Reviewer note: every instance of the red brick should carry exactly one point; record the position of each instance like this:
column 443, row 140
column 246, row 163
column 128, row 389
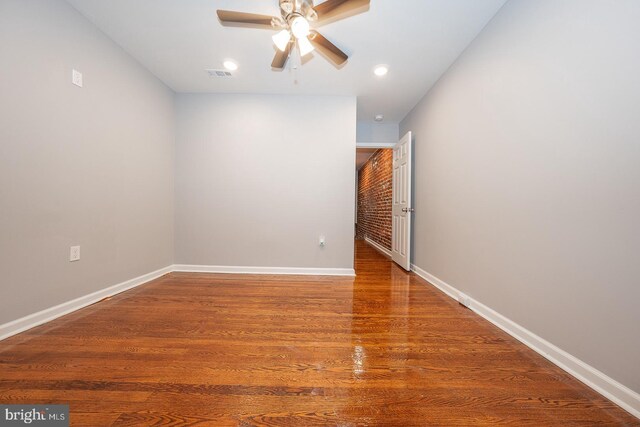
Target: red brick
column 374, row 198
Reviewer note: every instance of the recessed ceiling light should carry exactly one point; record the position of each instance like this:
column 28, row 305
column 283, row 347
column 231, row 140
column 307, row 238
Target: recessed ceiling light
column 381, row 70
column 230, row 65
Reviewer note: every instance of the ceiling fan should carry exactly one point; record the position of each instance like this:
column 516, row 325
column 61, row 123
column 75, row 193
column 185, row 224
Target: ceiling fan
column 295, row 25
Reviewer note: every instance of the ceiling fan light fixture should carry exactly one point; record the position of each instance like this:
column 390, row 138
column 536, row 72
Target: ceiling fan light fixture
column 281, row 40
column 300, row 27
column 293, row 27
column 287, row 6
column 305, row 46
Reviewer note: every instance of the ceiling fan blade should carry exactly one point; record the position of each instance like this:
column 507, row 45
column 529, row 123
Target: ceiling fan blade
column 335, row 8
column 281, row 58
column 327, row 48
column 247, row 19
column 307, row 10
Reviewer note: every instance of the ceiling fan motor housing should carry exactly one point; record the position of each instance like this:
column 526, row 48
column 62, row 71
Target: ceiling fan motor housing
column 302, row 7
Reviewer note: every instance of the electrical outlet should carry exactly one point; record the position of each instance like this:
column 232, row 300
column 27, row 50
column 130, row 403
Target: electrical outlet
column 76, row 78
column 74, row 253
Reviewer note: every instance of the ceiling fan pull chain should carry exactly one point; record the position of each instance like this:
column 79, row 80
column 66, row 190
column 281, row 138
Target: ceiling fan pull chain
column 296, row 62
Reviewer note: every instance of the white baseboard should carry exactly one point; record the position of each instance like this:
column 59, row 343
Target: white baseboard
column 608, row 387
column 48, row 314
column 264, row 270
column 379, row 247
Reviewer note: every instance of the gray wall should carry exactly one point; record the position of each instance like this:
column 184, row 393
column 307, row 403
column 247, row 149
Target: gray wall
column 259, row 178
column 528, row 176
column 370, row 131
column 90, row 167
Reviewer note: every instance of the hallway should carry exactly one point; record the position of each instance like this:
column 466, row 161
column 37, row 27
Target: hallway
column 384, row 348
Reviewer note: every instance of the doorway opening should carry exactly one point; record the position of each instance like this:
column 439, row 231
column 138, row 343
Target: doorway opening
column 374, row 194
column 384, row 211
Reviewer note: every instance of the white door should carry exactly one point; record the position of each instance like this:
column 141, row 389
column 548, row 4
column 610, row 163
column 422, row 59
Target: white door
column 401, row 225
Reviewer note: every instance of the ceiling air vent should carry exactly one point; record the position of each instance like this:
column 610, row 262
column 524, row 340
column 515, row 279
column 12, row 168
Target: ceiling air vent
column 220, row 73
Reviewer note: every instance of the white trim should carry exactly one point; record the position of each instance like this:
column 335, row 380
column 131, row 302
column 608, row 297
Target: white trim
column 379, row 247
column 608, row 387
column 264, row 270
column 48, row 314
column 375, row 144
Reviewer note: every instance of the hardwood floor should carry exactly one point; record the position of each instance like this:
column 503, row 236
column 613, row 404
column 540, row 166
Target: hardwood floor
column 241, row 350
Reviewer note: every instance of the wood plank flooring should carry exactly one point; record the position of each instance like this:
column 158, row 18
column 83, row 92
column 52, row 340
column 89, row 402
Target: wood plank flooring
column 383, row 349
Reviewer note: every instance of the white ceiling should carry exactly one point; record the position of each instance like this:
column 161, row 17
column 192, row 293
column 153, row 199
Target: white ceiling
column 178, row 39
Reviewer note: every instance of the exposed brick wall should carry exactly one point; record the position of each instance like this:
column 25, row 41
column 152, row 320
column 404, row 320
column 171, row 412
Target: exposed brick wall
column 374, row 198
